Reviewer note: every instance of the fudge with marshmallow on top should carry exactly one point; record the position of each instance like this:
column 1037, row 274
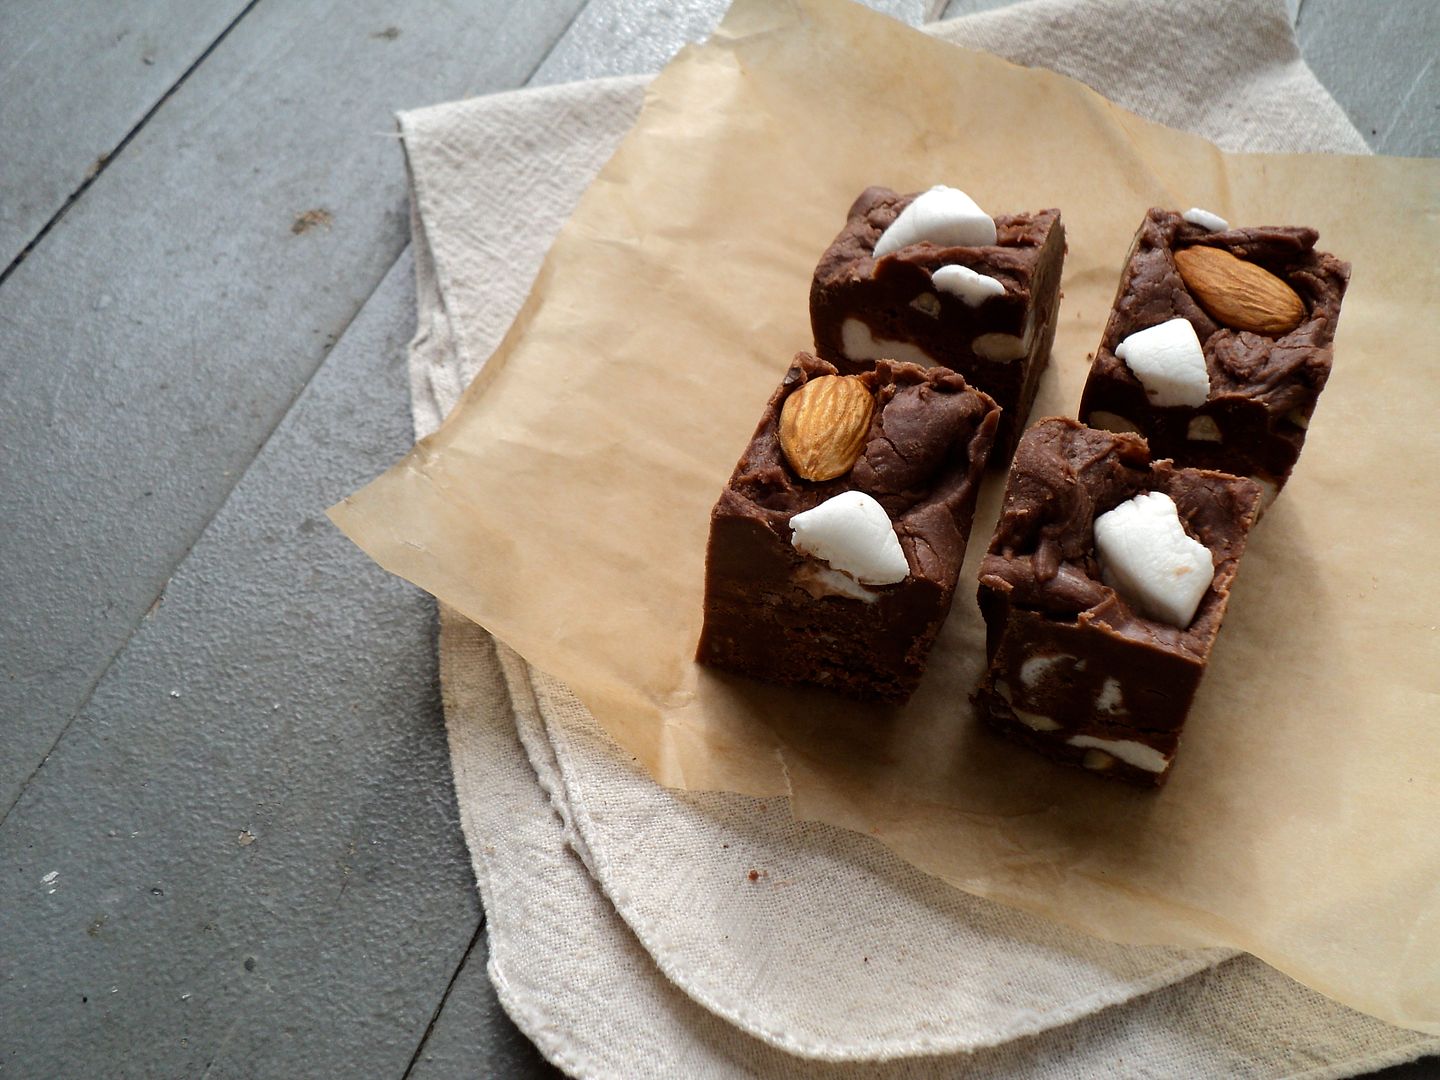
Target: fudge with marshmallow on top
column 1103, row 591
column 836, row 545
column 1219, row 344
column 931, row 279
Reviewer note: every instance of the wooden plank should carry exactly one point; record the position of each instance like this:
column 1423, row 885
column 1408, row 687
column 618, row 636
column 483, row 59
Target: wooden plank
column 157, row 334
column 472, row 1036
column 1379, row 61
column 245, row 858
column 75, row 79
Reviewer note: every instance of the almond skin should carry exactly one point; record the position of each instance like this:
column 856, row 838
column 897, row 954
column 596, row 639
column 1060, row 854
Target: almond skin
column 823, row 426
column 1239, row 294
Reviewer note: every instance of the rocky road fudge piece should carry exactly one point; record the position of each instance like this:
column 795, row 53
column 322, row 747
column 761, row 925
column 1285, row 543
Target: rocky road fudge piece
column 932, row 279
column 1219, row 344
column 836, row 544
column 1102, row 592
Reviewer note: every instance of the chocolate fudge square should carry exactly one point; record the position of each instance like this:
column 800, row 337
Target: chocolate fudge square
column 1263, row 304
column 996, row 332
column 1081, row 671
column 850, row 596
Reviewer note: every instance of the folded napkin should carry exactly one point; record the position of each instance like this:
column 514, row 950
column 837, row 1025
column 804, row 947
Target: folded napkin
column 636, row 931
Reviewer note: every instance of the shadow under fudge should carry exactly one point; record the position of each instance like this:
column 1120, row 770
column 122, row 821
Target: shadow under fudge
column 1263, row 388
column 774, row 614
column 863, row 308
column 1075, row 672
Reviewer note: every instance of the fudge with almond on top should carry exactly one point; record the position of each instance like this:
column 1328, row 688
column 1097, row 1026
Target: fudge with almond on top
column 1219, row 343
column 837, row 542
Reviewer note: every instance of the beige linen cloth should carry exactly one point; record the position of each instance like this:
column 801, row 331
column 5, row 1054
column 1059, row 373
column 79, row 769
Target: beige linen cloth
column 635, row 931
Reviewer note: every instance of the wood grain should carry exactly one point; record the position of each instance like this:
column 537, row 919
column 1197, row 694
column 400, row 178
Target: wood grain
column 159, row 332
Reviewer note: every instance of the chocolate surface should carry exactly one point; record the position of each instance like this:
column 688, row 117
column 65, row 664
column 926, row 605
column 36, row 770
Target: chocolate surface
column 1263, row 389
column 1068, row 656
column 775, row 614
column 897, row 303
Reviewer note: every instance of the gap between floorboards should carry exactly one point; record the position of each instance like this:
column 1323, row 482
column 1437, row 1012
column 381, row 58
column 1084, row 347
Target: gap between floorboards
column 105, row 159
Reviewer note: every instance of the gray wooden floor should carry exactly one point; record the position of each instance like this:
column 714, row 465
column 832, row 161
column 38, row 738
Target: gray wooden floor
column 228, row 841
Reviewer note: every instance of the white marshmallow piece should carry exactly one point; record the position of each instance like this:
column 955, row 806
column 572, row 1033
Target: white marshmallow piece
column 965, row 283
column 1169, row 362
column 1034, row 720
column 858, row 343
column 1110, row 699
column 1034, row 668
column 1149, row 559
column 823, row 581
column 1127, row 750
column 1001, row 347
column 943, row 215
column 852, row 532
column 1205, row 219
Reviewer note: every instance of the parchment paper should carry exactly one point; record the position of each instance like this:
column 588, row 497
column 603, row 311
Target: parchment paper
column 565, row 505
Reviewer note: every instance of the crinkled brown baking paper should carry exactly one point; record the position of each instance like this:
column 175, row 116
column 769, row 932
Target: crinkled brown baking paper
column 565, row 505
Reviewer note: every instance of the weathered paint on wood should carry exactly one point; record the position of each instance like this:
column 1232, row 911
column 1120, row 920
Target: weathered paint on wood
column 1379, row 60
column 244, row 858
column 157, row 334
column 75, row 79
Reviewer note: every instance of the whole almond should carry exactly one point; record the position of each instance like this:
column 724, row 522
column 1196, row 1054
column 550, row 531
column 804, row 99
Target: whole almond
column 823, row 426
column 1239, row 294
